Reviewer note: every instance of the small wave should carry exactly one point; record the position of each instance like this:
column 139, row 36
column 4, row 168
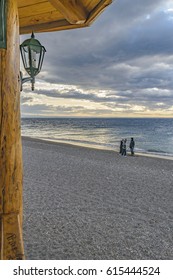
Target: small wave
column 156, row 151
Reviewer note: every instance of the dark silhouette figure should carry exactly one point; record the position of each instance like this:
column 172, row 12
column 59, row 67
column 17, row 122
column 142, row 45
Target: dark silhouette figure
column 132, row 146
column 121, row 146
column 124, row 147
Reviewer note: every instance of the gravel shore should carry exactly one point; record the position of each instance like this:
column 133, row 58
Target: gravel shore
column 82, row 203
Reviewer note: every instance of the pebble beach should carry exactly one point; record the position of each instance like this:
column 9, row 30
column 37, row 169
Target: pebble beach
column 83, row 203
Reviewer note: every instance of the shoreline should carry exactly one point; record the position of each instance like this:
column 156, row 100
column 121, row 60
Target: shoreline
column 47, row 141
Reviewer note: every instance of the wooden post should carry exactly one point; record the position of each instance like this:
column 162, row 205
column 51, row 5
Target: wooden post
column 11, row 242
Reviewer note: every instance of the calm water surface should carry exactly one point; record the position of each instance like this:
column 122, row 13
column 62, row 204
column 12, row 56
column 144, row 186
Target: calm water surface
column 153, row 136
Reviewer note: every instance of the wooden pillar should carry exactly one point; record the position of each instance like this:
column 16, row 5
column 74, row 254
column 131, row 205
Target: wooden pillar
column 11, row 243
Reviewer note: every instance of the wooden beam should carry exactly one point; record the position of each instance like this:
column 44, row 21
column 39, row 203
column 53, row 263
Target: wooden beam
column 72, row 10
column 99, row 8
column 11, row 242
column 49, row 27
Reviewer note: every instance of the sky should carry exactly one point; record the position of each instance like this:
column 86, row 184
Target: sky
column 120, row 66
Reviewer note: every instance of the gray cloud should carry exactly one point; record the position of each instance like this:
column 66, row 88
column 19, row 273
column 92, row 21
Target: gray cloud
column 128, row 50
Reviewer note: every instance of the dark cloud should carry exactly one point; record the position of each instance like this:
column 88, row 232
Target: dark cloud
column 128, row 50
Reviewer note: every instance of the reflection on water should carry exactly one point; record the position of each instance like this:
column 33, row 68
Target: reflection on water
column 151, row 135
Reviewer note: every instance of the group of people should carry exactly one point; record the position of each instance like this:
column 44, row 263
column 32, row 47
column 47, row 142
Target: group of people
column 123, row 146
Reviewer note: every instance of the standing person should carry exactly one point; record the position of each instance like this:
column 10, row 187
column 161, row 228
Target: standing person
column 132, row 146
column 124, row 147
column 121, row 146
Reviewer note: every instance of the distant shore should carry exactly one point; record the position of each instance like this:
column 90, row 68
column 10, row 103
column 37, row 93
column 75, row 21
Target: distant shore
column 86, row 203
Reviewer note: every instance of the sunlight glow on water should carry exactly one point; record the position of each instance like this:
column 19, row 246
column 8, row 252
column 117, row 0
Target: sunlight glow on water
column 151, row 135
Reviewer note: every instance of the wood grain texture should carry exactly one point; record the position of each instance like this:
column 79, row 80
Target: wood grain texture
column 24, row 3
column 56, row 15
column 10, row 140
column 38, row 9
column 73, row 10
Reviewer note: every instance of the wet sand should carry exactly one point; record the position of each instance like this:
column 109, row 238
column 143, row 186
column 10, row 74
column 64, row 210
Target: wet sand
column 82, row 203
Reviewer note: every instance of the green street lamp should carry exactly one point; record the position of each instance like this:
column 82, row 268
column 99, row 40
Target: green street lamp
column 32, row 53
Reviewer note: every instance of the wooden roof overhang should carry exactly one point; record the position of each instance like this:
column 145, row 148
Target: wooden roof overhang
column 55, row 15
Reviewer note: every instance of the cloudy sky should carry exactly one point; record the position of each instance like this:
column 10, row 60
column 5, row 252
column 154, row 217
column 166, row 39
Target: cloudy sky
column 121, row 66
